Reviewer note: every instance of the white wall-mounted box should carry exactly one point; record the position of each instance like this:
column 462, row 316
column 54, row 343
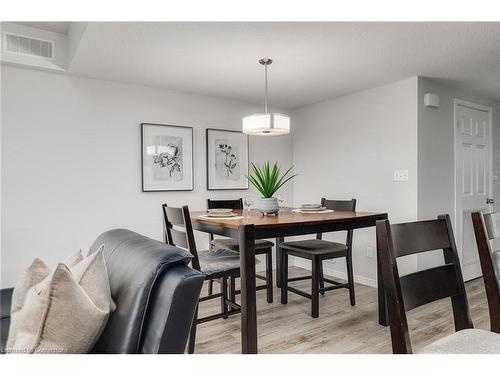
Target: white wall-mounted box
column 431, row 100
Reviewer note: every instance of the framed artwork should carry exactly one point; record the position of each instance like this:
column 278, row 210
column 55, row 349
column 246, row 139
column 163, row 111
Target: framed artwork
column 167, row 157
column 227, row 160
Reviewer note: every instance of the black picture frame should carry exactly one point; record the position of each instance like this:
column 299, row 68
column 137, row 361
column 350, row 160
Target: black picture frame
column 208, row 166
column 189, row 129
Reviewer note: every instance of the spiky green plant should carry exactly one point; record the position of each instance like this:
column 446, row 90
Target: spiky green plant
column 268, row 180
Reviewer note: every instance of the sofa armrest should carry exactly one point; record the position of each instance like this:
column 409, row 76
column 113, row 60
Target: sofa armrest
column 5, row 303
column 171, row 311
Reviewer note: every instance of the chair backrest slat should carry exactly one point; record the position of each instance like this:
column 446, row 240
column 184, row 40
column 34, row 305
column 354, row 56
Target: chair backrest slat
column 429, row 285
column 419, row 237
column 339, row 205
column 419, row 288
column 178, row 230
column 235, row 204
column 486, row 228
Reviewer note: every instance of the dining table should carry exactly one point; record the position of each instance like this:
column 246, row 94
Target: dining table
column 249, row 225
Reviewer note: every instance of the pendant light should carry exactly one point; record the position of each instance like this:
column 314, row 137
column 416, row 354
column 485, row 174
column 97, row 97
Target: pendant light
column 266, row 123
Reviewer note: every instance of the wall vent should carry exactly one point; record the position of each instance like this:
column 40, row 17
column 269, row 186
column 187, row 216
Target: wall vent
column 29, row 46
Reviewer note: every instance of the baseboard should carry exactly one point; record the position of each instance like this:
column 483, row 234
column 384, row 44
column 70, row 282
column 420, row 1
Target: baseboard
column 328, row 270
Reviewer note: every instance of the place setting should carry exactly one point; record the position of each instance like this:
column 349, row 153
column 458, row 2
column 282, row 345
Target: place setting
column 312, row 209
column 221, row 213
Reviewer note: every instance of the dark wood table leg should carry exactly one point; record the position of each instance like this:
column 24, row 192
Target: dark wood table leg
column 278, row 261
column 248, row 297
column 382, row 303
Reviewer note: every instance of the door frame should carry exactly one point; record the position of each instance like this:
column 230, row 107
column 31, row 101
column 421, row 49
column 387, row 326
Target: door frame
column 458, row 201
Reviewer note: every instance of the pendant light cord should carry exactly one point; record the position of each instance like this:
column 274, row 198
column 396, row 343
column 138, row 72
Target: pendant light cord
column 265, row 105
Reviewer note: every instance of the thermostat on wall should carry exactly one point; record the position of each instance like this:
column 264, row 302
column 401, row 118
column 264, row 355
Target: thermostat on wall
column 431, row 100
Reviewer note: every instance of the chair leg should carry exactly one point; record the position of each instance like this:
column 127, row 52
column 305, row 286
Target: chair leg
column 192, row 333
column 210, row 287
column 269, row 276
column 232, row 290
column 223, row 297
column 284, row 277
column 350, row 278
column 316, row 264
column 279, row 251
column 321, row 276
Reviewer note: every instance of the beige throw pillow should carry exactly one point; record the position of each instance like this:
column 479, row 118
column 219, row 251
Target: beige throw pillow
column 33, row 275
column 75, row 258
column 66, row 312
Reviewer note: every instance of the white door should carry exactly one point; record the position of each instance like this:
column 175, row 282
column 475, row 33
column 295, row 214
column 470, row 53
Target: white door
column 473, row 178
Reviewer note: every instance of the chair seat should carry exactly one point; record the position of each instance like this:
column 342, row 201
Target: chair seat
column 233, row 245
column 211, row 263
column 315, row 247
column 466, row 341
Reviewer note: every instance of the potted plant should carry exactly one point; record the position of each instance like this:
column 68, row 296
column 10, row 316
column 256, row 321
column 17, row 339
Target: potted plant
column 267, row 181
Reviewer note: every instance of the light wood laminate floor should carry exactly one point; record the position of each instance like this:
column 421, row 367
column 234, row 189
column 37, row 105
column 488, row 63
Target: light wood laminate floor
column 340, row 327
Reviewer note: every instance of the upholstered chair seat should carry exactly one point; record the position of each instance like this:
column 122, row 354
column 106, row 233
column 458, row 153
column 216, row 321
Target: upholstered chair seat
column 211, row 263
column 466, row 341
column 233, row 245
column 316, row 247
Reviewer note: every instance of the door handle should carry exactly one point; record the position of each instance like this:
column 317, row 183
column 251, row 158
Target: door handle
column 490, row 201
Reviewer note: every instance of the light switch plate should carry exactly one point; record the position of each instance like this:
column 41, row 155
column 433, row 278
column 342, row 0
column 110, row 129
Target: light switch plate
column 401, row 175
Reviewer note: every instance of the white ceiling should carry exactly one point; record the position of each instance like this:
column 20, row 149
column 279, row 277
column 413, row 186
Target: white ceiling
column 55, row 27
column 313, row 61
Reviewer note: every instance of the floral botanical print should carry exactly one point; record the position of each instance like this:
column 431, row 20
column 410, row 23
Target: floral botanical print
column 226, row 160
column 230, row 161
column 167, row 161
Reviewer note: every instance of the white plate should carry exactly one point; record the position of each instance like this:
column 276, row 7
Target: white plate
column 312, row 209
column 300, row 211
column 206, row 217
column 220, row 210
column 309, row 206
column 221, row 214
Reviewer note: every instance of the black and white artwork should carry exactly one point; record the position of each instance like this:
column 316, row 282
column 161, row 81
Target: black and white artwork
column 227, row 159
column 167, row 157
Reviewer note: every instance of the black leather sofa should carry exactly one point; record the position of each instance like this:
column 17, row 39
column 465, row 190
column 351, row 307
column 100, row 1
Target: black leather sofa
column 155, row 291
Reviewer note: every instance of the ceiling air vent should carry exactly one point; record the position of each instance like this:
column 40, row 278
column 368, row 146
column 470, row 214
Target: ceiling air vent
column 29, row 46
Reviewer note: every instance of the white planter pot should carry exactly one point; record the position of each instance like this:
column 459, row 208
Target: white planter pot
column 268, row 205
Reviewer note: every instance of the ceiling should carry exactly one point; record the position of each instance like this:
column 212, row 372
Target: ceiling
column 55, row 27
column 312, row 61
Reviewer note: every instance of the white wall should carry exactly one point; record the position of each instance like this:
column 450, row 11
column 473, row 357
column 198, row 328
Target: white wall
column 71, row 160
column 348, row 148
column 436, row 185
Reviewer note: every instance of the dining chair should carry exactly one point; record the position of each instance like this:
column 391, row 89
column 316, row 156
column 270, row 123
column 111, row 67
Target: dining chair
column 178, row 232
column 262, row 247
column 487, row 228
column 318, row 250
column 407, row 292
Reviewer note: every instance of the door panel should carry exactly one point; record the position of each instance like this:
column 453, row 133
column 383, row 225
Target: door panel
column 467, row 169
column 473, row 180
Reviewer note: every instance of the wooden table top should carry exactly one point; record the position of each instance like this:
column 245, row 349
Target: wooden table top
column 286, row 217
